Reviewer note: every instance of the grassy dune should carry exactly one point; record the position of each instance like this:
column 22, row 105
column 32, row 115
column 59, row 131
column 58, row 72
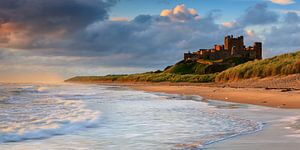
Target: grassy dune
column 279, row 65
column 194, row 72
column 206, row 67
column 183, row 71
column 147, row 77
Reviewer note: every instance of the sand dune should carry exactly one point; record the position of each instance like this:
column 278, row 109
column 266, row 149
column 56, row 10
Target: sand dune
column 291, row 81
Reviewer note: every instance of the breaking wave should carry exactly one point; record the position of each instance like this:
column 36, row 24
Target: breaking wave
column 32, row 116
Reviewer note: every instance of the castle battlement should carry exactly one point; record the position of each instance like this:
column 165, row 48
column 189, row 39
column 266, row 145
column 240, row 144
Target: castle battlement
column 233, row 47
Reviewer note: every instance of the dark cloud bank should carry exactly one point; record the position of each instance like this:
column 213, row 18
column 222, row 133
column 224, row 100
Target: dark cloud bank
column 81, row 28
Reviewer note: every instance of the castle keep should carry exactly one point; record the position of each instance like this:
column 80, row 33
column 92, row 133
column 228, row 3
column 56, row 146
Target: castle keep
column 233, row 47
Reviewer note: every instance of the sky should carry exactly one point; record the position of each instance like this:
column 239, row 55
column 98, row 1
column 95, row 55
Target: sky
column 51, row 40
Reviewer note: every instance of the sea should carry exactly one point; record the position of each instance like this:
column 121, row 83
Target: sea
column 97, row 117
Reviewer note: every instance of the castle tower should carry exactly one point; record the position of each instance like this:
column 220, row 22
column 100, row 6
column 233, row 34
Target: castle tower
column 239, row 43
column 230, row 42
column 227, row 43
column 257, row 47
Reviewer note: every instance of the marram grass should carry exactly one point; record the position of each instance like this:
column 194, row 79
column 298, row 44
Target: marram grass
column 285, row 64
column 147, row 77
column 198, row 73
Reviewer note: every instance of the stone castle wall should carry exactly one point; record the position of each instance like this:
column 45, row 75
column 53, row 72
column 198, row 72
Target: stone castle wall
column 233, row 47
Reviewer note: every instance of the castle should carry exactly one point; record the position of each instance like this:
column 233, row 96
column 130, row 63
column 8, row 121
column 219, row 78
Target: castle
column 233, row 47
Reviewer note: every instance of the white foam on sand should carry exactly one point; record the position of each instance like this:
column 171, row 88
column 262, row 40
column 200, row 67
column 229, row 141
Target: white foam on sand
column 292, row 123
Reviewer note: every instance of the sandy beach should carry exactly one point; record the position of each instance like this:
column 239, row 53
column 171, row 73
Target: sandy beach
column 280, row 125
column 256, row 96
column 277, row 92
column 277, row 133
column 281, row 92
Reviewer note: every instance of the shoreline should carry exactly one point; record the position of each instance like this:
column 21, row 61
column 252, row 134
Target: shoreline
column 213, row 125
column 255, row 96
column 269, row 97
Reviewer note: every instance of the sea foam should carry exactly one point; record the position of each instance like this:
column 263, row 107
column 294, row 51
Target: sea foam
column 34, row 116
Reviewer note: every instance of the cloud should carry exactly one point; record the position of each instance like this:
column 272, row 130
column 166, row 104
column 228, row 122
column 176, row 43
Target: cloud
column 54, row 14
column 283, row 2
column 283, row 37
column 134, row 43
column 87, row 42
column 292, row 11
column 258, row 15
column 228, row 24
column 119, row 19
column 180, row 13
column 141, row 40
column 250, row 33
column 292, row 17
column 44, row 21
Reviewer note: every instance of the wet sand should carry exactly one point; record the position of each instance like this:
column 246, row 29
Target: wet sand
column 280, row 132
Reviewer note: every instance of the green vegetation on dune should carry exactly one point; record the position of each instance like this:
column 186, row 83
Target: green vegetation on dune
column 146, row 77
column 183, row 71
column 209, row 71
column 187, row 67
column 279, row 65
column 206, row 67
